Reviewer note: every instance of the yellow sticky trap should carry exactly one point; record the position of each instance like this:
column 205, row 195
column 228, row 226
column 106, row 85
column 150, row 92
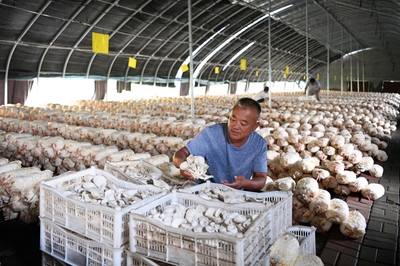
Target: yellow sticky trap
column 335, row 78
column 304, row 77
column 242, row 64
column 132, row 62
column 184, row 68
column 256, row 73
column 317, row 76
column 216, row 70
column 287, row 70
column 100, row 43
column 284, row 75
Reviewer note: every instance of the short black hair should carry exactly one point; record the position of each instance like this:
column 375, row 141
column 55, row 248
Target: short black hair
column 266, row 89
column 246, row 103
column 312, row 80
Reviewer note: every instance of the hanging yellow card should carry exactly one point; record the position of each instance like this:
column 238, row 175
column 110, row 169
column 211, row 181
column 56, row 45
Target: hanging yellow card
column 100, row 43
column 242, row 64
column 132, row 62
column 184, row 68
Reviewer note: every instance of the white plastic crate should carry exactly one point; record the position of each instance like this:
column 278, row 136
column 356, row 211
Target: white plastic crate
column 306, row 237
column 48, row 260
column 282, row 213
column 115, row 168
column 75, row 249
column 134, row 259
column 179, row 246
column 264, row 260
column 262, row 197
column 97, row 222
column 119, row 169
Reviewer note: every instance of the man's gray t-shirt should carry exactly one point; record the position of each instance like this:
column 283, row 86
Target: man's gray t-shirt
column 225, row 160
column 312, row 88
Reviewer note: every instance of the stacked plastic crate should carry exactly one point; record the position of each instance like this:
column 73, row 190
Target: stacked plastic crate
column 48, row 260
column 281, row 216
column 154, row 240
column 281, row 203
column 79, row 233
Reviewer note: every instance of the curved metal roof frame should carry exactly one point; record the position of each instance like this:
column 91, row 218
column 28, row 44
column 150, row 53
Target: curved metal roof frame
column 52, row 38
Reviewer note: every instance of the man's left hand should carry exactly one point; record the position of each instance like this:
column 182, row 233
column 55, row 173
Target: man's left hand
column 238, row 184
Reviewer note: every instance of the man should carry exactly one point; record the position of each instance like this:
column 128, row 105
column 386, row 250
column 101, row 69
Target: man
column 315, row 88
column 262, row 96
column 235, row 153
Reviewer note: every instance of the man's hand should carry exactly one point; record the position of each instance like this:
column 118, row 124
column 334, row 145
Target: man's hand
column 238, row 184
column 179, row 157
column 187, row 175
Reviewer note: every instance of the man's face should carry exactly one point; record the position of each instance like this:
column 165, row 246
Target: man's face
column 241, row 123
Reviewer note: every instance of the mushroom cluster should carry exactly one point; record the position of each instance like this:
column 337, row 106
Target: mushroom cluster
column 95, row 189
column 198, row 218
column 197, row 166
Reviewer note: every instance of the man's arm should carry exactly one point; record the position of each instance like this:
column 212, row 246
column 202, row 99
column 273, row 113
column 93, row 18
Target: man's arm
column 257, row 182
column 180, row 156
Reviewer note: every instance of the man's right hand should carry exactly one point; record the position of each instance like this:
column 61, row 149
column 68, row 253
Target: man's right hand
column 187, row 174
